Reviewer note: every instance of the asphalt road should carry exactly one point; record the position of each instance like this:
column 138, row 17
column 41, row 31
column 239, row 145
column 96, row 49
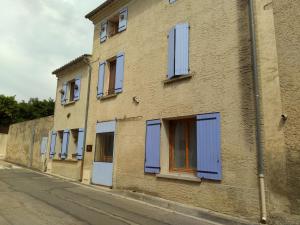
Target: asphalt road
column 30, row 198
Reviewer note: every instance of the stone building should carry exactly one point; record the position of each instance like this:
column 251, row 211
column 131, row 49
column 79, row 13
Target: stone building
column 168, row 105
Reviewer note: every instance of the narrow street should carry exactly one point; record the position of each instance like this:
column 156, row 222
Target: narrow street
column 30, row 198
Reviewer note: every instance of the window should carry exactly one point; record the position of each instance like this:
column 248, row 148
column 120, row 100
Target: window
column 178, row 51
column 112, row 77
column 194, row 146
column 183, row 149
column 114, row 25
column 72, row 90
column 172, row 1
column 112, row 82
column 104, row 147
column 60, row 135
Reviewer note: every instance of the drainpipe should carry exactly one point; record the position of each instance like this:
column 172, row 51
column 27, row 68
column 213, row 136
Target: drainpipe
column 259, row 145
column 86, row 61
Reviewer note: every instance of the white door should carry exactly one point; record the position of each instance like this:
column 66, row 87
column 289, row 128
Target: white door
column 104, row 151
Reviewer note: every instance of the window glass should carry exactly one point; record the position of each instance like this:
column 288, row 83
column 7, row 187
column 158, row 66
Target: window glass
column 112, row 77
column 179, row 145
column 104, row 147
column 72, row 88
column 192, row 145
column 183, row 155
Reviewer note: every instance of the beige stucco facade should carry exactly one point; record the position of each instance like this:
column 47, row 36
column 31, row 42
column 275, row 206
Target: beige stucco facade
column 69, row 116
column 220, row 80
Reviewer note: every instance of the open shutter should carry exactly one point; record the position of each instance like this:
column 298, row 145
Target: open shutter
column 182, row 49
column 77, row 89
column 209, row 146
column 64, row 93
column 103, row 31
column 171, row 53
column 152, row 156
column 123, row 19
column 65, row 144
column 80, row 144
column 52, row 145
column 101, row 79
column 119, row 73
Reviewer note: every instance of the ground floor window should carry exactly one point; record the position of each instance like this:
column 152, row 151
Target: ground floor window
column 183, row 148
column 104, row 147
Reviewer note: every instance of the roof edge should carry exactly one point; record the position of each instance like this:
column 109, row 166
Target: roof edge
column 72, row 63
column 99, row 8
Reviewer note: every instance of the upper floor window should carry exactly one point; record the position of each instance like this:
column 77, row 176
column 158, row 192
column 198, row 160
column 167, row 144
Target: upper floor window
column 178, row 50
column 113, row 25
column 112, row 82
column 70, row 91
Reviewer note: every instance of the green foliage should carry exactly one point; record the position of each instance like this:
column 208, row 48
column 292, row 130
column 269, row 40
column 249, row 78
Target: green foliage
column 13, row 112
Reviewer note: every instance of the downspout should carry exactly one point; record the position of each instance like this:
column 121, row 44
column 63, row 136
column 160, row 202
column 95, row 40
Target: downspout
column 259, row 145
column 86, row 61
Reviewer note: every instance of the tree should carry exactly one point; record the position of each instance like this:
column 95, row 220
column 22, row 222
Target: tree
column 8, row 110
column 11, row 111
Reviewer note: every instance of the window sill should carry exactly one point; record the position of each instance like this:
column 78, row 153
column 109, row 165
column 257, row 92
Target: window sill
column 65, row 160
column 178, row 78
column 107, row 96
column 70, row 103
column 184, row 177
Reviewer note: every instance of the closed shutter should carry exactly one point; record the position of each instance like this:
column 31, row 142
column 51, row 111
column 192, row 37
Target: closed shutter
column 119, row 73
column 103, row 31
column 52, row 145
column 182, row 49
column 65, row 144
column 64, row 93
column 209, row 146
column 152, row 154
column 101, row 79
column 171, row 53
column 44, row 143
column 123, row 20
column 77, row 89
column 80, row 144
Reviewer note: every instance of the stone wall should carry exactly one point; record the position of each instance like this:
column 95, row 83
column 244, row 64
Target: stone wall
column 3, row 141
column 24, row 141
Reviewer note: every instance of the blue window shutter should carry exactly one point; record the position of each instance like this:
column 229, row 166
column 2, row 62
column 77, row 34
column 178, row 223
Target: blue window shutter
column 65, row 144
column 171, row 54
column 64, row 93
column 80, row 144
column 123, row 19
column 152, row 154
column 103, row 31
column 77, row 89
column 101, row 79
column 209, row 146
column 119, row 73
column 52, row 144
column 182, row 49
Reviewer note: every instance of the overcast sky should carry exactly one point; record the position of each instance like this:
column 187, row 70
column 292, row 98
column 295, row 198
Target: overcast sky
column 38, row 36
